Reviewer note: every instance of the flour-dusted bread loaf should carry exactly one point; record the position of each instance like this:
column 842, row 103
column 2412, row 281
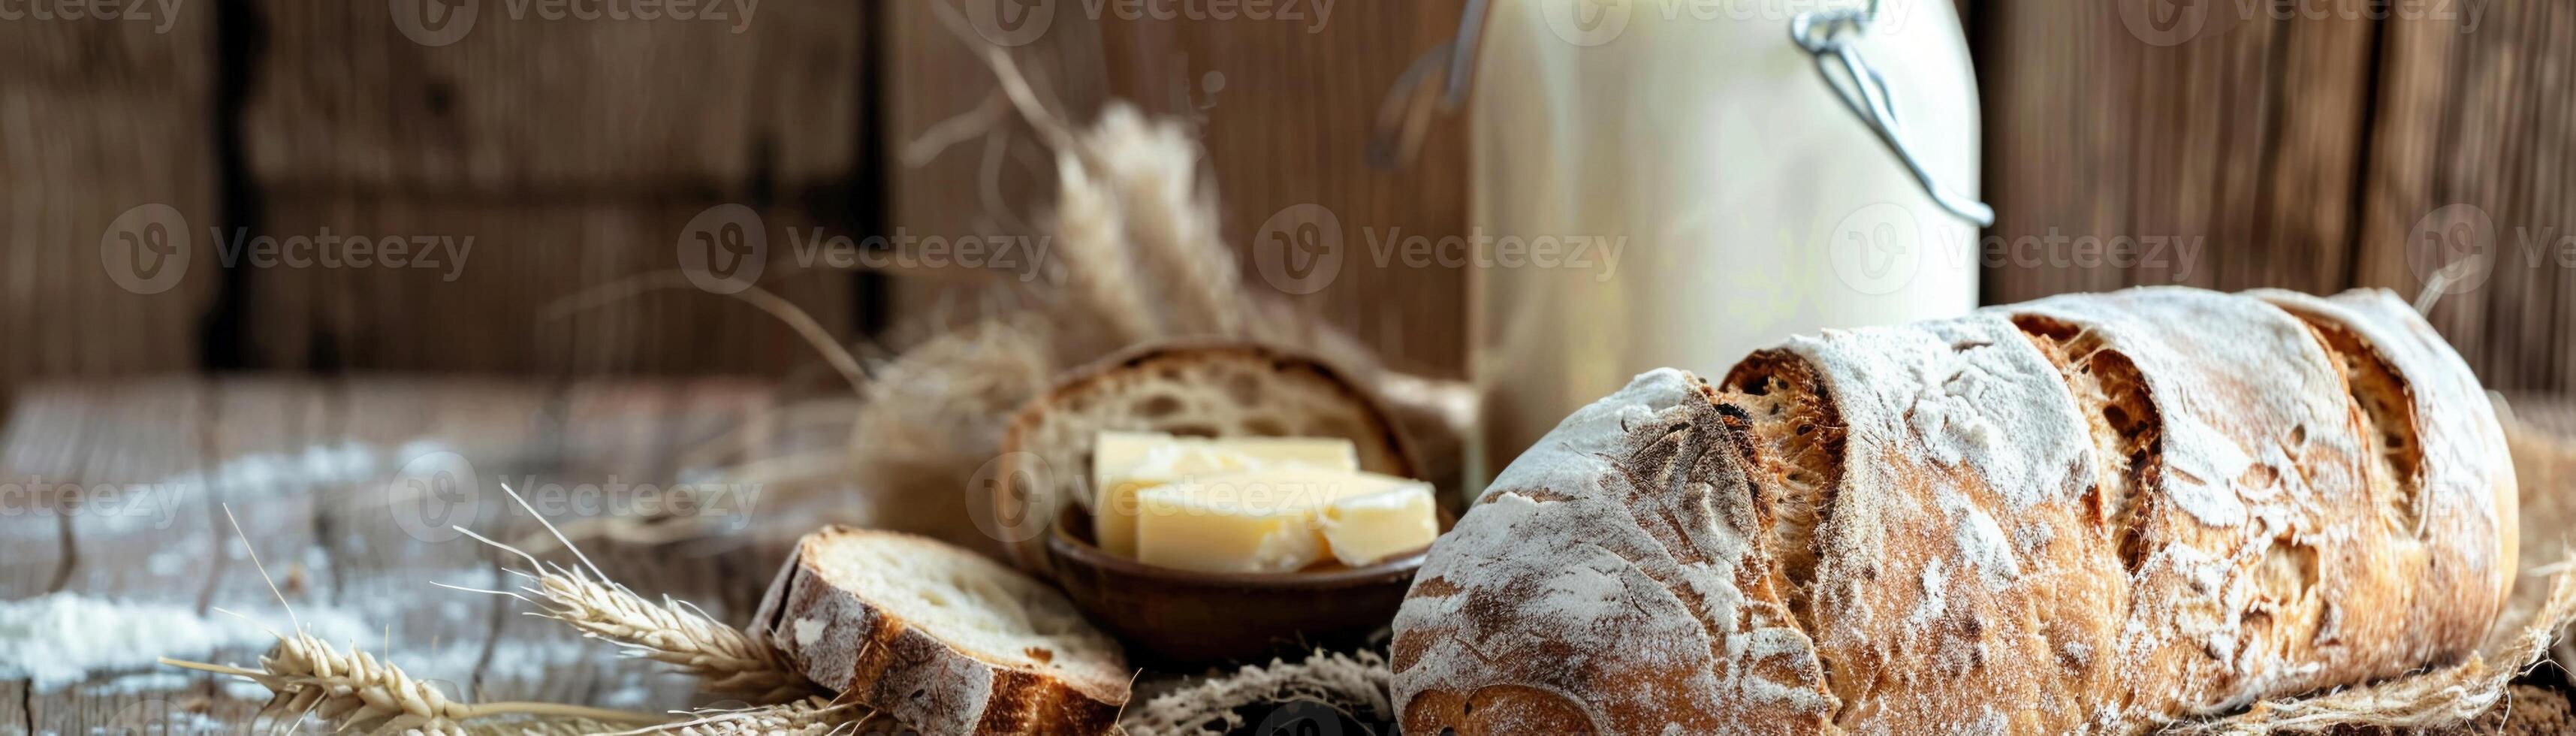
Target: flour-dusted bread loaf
column 945, row 640
column 2087, row 514
column 1197, row 389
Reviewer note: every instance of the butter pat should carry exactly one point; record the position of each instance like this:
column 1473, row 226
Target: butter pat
column 1123, row 463
column 1180, row 528
column 1269, row 520
column 1364, row 530
column 1114, row 509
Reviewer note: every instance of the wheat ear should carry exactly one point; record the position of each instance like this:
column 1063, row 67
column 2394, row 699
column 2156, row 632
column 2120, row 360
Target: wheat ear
column 671, row 631
column 1154, row 166
column 1090, row 238
column 356, row 691
column 813, row 716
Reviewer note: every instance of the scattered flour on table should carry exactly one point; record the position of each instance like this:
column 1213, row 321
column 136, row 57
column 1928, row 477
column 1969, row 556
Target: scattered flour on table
column 64, row 638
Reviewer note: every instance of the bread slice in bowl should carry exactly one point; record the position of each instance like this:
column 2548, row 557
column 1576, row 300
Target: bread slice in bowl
column 943, row 639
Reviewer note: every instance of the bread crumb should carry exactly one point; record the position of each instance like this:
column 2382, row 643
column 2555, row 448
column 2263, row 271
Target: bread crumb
column 808, row 630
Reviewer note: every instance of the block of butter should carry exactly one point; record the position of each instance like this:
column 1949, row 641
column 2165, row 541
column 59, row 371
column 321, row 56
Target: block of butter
column 1274, row 519
column 1364, row 529
column 1123, row 463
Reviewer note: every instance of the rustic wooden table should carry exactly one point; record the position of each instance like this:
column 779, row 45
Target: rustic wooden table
column 316, row 472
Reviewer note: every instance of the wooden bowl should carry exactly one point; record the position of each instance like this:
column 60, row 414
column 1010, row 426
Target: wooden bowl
column 1178, row 617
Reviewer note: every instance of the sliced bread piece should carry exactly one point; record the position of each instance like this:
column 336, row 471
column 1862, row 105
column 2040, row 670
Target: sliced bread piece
column 1192, row 389
column 945, row 640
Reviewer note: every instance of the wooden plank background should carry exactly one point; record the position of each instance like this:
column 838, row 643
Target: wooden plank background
column 2315, row 153
column 2312, row 152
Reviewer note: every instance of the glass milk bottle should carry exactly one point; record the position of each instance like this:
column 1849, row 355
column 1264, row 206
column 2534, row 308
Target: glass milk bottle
column 1745, row 170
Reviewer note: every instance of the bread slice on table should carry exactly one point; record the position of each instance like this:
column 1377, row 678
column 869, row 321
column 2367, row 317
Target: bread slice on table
column 944, row 640
column 2098, row 513
column 1188, row 389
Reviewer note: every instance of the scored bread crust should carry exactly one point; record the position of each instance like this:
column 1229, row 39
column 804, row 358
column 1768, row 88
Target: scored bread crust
column 1611, row 580
column 846, row 642
column 1199, row 389
column 2088, row 514
column 2451, row 415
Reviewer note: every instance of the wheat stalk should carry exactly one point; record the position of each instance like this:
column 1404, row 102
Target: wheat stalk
column 1090, row 228
column 812, row 716
column 356, row 691
column 1154, row 166
column 672, row 632
column 668, row 631
column 545, row 727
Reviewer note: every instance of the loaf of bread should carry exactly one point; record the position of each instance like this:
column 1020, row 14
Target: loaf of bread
column 945, row 640
column 2086, row 514
column 1199, row 390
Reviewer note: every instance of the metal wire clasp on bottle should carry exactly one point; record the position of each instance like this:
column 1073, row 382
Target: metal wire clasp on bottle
column 1828, row 35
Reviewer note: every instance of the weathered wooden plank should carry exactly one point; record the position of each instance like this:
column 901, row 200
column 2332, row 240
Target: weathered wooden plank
column 487, row 298
column 13, row 707
column 45, row 443
column 2471, row 126
column 138, row 533
column 1315, row 81
column 501, row 97
column 2234, row 131
column 166, row 47
column 91, row 180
